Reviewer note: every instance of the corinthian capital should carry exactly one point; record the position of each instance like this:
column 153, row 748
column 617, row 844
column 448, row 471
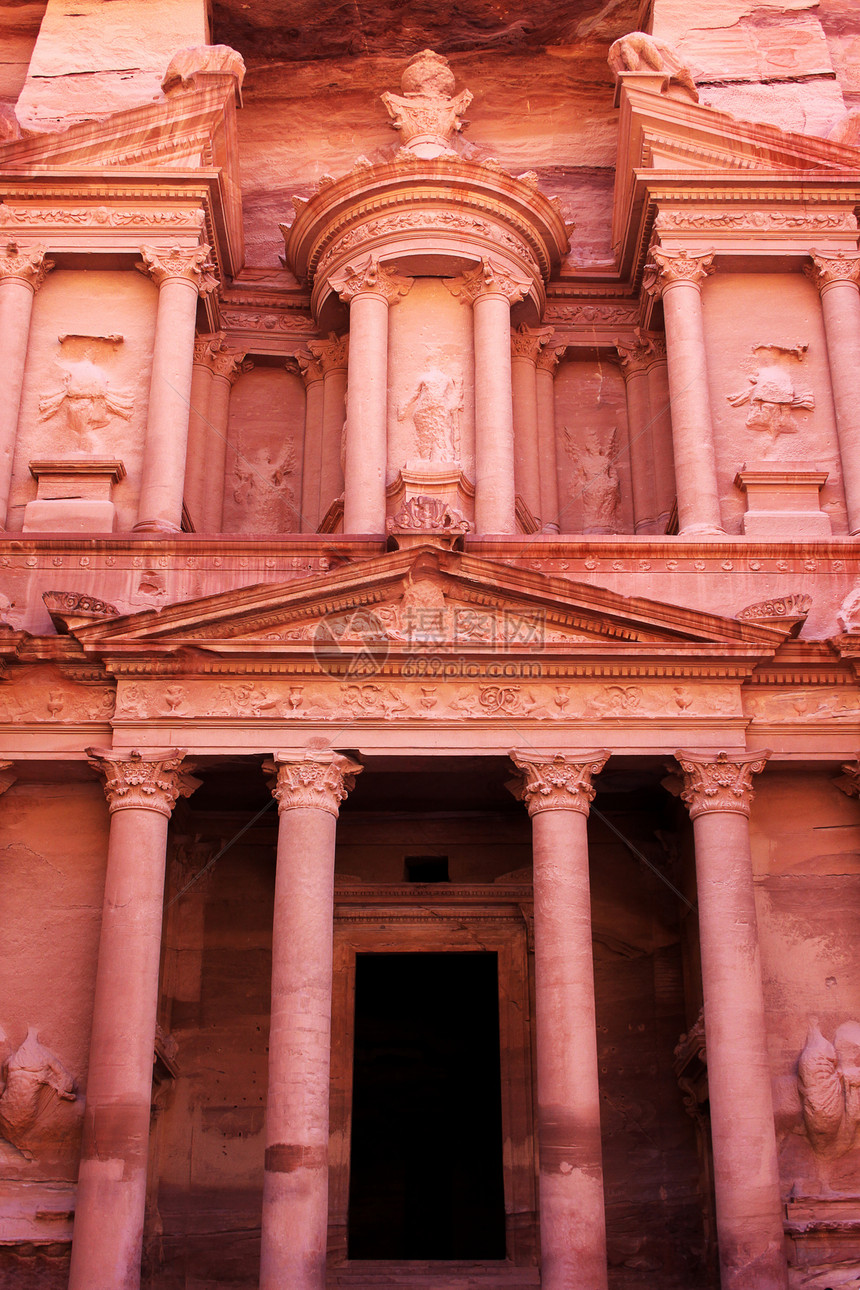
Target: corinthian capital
column 635, row 358
column 332, row 353
column 549, row 357
column 369, row 277
column 150, row 781
column 719, row 781
column 316, row 781
column 207, row 346
column 192, row 266
column 309, row 367
column 488, row 279
column 229, row 363
column 25, row 262
column 559, row 782
column 528, row 342
column 826, row 270
column 680, row 266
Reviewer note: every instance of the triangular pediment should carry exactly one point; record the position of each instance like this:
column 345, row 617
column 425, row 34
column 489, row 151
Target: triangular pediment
column 421, row 598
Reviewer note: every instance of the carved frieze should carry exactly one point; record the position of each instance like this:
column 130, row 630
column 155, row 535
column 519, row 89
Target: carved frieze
column 317, row 781
column 34, row 697
column 720, row 781
column 101, row 216
column 150, row 781
column 260, row 320
column 583, row 315
column 756, row 221
column 558, row 783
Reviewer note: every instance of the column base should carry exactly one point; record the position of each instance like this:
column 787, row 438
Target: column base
column 157, row 527
column 702, row 530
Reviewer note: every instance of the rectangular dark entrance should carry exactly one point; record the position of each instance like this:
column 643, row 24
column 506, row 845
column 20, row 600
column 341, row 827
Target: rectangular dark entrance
column 426, row 1159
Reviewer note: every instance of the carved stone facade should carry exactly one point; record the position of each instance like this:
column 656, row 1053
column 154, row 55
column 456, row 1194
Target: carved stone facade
column 461, row 380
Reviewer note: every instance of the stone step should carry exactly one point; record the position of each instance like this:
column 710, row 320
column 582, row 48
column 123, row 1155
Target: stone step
column 420, row 1275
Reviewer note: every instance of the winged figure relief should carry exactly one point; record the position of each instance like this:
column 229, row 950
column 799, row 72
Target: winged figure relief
column 828, row 1076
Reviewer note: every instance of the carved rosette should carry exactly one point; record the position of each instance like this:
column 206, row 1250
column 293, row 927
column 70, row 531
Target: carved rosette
column 559, row 782
column 830, row 270
column 719, row 781
column 193, row 266
column 529, row 342
column 149, row 781
column 370, row 278
column 488, row 279
column 671, row 267
column 331, row 354
column 27, row 264
column 317, row 781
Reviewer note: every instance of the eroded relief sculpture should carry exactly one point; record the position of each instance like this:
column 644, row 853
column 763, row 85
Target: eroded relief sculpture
column 87, row 401
column 640, row 52
column 262, row 486
column 828, row 1078
column 774, row 396
column 32, row 1078
column 434, row 412
column 597, row 482
column 427, row 113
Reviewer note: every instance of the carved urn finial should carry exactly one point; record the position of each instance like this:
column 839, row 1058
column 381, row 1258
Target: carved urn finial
column 427, row 113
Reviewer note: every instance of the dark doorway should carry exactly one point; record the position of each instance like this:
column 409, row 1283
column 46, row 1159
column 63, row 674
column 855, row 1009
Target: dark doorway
column 426, row 1161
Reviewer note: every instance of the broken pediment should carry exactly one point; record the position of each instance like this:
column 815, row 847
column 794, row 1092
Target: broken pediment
column 422, row 599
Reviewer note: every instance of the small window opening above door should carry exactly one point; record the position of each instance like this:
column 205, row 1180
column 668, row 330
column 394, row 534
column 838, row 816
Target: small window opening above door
column 427, row 869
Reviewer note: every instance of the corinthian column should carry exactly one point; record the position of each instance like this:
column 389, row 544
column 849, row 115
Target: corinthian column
column 837, row 280
column 679, row 280
column 634, row 363
column 227, row 366
column 312, row 376
column 718, row 792
column 526, row 346
column 331, row 354
column 180, row 275
column 142, row 790
column 369, row 290
column 491, row 291
column 309, row 791
column 205, row 349
column 661, row 431
column 546, row 365
column 558, row 793
column 22, row 272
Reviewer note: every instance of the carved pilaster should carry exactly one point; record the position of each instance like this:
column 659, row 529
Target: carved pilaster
column 151, row 781
column 27, row 263
column 369, row 278
column 559, row 782
column 828, row 270
column 635, row 358
column 194, row 266
column 529, row 342
column 317, row 781
column 331, row 354
column 488, row 279
column 679, row 266
column 719, row 781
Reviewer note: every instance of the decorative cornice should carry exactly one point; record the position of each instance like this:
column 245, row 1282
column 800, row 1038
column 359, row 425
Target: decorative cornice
column 557, row 783
column 488, row 279
column 193, row 266
column 150, row 781
column 830, row 270
column 316, row 781
column 369, row 278
column 529, row 342
column 26, row 263
column 719, row 781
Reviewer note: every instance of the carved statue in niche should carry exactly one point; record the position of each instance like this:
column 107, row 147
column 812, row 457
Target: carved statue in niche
column 849, row 611
column 597, row 478
column 773, row 396
column 262, row 490
column 87, row 401
column 828, row 1077
column 640, row 52
column 31, row 1077
column 427, row 114
column 434, row 410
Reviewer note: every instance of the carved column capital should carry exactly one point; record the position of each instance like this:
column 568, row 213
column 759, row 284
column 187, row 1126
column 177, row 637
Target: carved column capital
column 151, row 781
column 559, row 782
column 193, row 266
column 310, row 368
column 229, row 364
column 848, row 782
column 635, row 358
column 719, row 781
column 671, row 267
column 529, row 342
column 830, row 270
column 549, row 357
column 331, row 354
column 657, row 346
column 27, row 263
column 488, row 279
column 316, row 781
column 369, row 278
column 207, row 346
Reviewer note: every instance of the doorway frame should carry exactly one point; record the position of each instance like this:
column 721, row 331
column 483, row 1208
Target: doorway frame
column 444, row 918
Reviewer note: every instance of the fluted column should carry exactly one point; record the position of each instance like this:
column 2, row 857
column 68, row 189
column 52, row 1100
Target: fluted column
column 526, row 346
column 718, row 793
column 679, row 279
column 142, row 790
column 227, row 366
column 491, row 291
column 634, row 363
column 558, row 792
column 661, row 431
column 205, row 349
column 22, row 272
column 180, row 275
column 837, row 278
column 312, row 376
column 545, row 368
column 332, row 355
column 369, row 289
column 309, row 791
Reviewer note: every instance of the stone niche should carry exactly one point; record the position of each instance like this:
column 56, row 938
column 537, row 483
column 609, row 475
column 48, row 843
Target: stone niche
column 263, row 484
column 591, row 448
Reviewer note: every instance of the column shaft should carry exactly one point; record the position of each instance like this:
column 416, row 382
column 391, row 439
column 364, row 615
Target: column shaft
column 216, row 469
column 21, row 275
column 366, row 416
column 545, row 380
column 661, row 439
column 642, row 477
column 840, row 304
column 526, row 443
column 495, row 494
column 334, row 411
column 198, row 439
column 312, row 456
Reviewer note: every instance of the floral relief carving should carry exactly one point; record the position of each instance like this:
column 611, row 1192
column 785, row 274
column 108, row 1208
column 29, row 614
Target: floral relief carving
column 591, row 315
column 828, row 270
column 152, row 781
column 773, row 396
column 427, row 514
column 529, row 342
column 331, row 354
column 316, row 781
column 248, row 320
column 454, row 220
column 427, row 113
column 596, row 479
column 670, row 267
column 719, row 782
column 105, row 216
column 755, row 221
column 795, row 605
column 559, row 782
